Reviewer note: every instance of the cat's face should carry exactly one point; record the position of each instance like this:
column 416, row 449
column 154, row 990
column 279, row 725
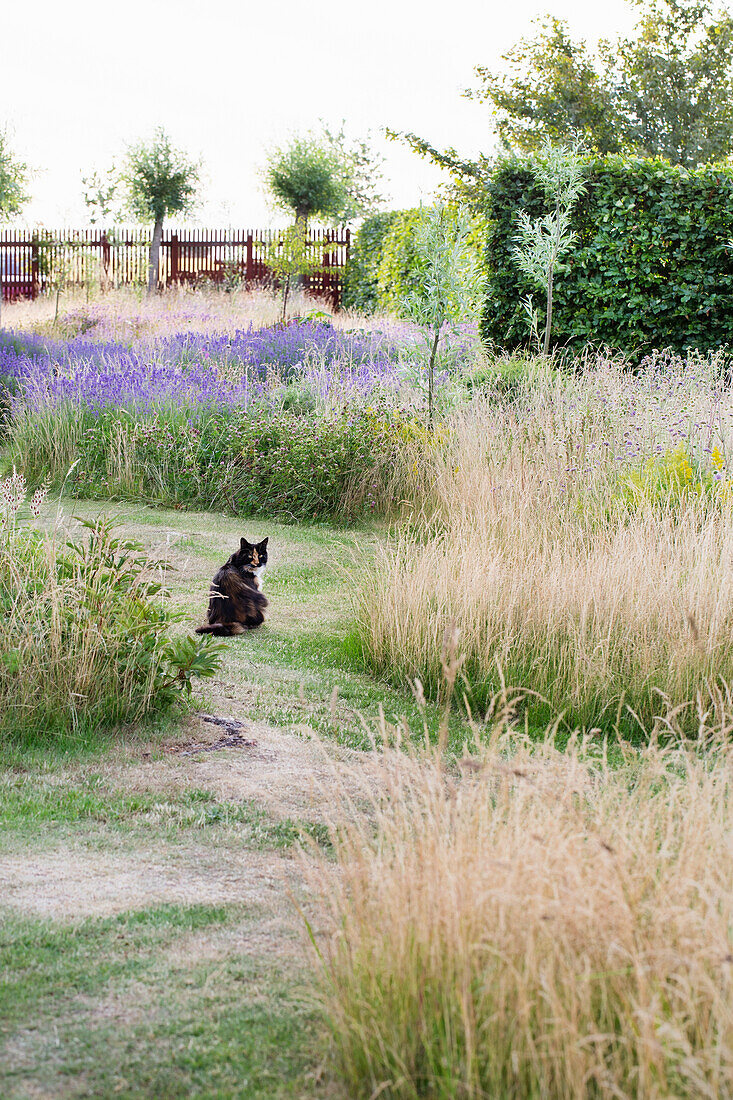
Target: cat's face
column 251, row 555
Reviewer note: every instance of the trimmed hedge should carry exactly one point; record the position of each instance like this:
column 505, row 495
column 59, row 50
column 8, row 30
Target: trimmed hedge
column 361, row 283
column 652, row 269
column 383, row 265
column 399, row 269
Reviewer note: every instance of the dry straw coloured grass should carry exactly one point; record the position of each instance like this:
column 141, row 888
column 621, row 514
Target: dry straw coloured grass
column 608, row 600
column 536, row 924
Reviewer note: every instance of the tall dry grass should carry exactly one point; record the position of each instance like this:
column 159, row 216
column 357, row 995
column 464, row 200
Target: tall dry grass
column 594, row 581
column 535, row 924
column 128, row 313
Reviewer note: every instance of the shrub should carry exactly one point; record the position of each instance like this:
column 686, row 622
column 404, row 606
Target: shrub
column 84, row 630
column 274, row 463
column 399, row 272
column 652, row 266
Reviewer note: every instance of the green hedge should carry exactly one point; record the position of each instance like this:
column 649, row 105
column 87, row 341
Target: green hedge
column 383, row 265
column 653, row 266
column 399, row 269
column 361, row 283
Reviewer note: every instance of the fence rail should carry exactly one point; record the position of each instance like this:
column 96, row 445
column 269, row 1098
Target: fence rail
column 34, row 261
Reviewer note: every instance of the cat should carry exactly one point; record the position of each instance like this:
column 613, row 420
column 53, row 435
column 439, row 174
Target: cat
column 236, row 599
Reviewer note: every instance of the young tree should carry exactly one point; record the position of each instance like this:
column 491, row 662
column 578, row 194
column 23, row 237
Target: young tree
column 289, row 256
column 542, row 242
column 452, row 283
column 13, row 180
column 160, row 180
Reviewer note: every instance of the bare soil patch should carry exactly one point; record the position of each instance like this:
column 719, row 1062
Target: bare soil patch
column 72, row 882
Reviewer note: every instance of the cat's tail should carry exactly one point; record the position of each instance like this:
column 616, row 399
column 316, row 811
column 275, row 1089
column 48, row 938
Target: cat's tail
column 219, row 630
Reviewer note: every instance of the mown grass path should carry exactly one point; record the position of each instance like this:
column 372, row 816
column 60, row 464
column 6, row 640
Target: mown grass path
column 150, row 946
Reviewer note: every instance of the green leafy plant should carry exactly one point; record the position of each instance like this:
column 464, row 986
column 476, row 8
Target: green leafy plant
column 160, row 180
column 13, row 180
column 451, row 283
column 326, row 176
column 543, row 242
column 84, row 627
column 651, row 266
column 361, row 284
column 289, row 255
column 675, row 477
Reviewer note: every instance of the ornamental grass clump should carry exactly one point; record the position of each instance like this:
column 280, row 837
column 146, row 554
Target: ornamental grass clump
column 84, row 629
column 581, row 544
column 533, row 923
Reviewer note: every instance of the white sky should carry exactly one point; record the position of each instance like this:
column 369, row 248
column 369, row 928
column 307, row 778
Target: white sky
column 227, row 78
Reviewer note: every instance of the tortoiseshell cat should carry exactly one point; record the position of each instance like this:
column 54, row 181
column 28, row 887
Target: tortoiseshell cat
column 236, row 601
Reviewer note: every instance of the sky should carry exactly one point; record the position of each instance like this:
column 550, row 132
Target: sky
column 229, row 79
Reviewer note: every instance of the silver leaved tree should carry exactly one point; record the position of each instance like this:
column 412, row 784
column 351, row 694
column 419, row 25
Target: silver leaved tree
column 541, row 243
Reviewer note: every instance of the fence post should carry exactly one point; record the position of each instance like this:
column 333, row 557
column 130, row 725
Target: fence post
column 35, row 267
column 175, row 259
column 248, row 270
column 106, row 254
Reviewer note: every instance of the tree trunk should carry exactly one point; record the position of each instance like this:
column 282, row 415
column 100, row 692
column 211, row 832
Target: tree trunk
column 286, row 291
column 154, row 266
column 431, row 374
column 1, row 291
column 548, row 315
column 301, row 226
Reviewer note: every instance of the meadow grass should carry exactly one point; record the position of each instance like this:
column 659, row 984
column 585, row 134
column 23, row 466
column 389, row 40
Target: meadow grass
column 42, row 805
column 579, row 543
column 533, row 923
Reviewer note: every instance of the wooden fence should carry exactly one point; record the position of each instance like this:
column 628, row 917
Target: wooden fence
column 34, row 261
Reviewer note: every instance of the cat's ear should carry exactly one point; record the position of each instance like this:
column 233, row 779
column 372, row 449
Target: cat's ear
column 243, row 544
column 263, row 545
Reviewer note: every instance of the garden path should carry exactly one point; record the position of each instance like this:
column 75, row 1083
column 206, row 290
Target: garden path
column 151, row 839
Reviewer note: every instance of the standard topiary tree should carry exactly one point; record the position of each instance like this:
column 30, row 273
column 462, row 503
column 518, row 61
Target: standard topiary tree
column 324, row 176
column 13, row 179
column 160, row 181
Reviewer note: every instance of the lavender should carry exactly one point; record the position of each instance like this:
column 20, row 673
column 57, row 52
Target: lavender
column 191, row 369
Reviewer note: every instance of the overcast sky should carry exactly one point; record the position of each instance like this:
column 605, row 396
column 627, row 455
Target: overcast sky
column 228, row 78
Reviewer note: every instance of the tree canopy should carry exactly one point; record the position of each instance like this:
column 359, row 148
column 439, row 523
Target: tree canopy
column 665, row 91
column 13, row 179
column 325, row 176
column 551, row 89
column 160, row 180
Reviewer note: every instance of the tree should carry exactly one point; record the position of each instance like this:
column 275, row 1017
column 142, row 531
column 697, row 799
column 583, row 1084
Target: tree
column 160, row 180
column 324, row 176
column 542, row 242
column 674, row 82
column 289, row 256
column 451, row 285
column 13, row 196
column 667, row 91
column 551, row 91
